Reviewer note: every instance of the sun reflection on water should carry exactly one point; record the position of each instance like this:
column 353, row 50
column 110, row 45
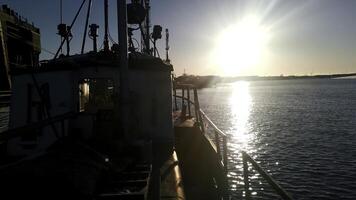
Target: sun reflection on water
column 240, row 103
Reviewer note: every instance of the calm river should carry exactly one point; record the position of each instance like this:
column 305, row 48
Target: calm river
column 301, row 131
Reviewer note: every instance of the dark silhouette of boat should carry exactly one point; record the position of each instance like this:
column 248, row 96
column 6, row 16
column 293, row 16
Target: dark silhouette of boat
column 101, row 124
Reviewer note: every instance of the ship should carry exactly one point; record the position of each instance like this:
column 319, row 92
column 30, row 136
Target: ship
column 110, row 123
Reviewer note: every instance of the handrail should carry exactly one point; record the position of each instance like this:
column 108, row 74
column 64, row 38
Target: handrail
column 185, row 98
column 200, row 115
column 219, row 133
column 184, row 86
column 279, row 190
column 5, row 92
column 221, row 157
column 212, row 123
column 203, row 114
column 16, row 132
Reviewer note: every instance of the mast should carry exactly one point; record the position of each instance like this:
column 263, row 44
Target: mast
column 61, row 11
column 124, row 73
column 106, row 40
column 147, row 26
column 61, row 18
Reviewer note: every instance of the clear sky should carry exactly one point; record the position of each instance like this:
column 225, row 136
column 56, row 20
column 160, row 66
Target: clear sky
column 228, row 37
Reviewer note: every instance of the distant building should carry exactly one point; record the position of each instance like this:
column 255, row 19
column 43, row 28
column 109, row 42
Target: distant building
column 20, row 44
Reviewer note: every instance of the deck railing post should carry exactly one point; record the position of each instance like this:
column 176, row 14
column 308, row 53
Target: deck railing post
column 225, row 152
column 197, row 107
column 175, row 96
column 182, row 96
column 217, row 142
column 188, row 96
column 245, row 173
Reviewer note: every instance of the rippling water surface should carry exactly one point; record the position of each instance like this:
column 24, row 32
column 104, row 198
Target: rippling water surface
column 301, row 131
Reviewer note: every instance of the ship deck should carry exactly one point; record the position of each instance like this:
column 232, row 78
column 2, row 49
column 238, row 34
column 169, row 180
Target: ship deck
column 197, row 161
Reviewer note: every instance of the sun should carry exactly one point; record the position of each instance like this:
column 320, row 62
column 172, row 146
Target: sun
column 239, row 46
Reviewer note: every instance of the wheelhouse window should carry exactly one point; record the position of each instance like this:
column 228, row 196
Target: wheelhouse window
column 95, row 94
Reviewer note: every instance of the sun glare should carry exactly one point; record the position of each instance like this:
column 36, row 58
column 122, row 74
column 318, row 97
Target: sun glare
column 240, row 46
column 241, row 103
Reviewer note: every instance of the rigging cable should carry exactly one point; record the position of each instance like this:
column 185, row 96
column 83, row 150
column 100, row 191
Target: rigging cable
column 86, row 25
column 70, row 27
column 155, row 48
column 48, row 51
column 45, row 111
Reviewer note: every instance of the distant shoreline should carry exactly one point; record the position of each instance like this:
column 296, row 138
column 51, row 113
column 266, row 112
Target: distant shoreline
column 208, row 81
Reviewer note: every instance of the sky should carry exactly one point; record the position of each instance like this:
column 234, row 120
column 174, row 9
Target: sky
column 218, row 37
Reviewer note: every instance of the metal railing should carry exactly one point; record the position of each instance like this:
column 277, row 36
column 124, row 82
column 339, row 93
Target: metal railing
column 202, row 119
column 190, row 108
column 278, row 189
column 23, row 130
column 5, row 98
column 220, row 140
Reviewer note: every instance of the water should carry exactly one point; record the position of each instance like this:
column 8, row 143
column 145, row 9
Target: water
column 301, row 131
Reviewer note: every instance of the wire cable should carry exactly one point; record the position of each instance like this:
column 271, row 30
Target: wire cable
column 70, row 28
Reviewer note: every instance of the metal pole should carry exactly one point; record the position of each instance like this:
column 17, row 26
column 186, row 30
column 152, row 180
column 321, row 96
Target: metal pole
column 182, row 97
column 61, row 19
column 246, row 182
column 188, row 95
column 279, row 190
column 154, row 48
column 106, row 35
column 175, row 99
column 147, row 42
column 197, row 107
column 61, row 11
column 68, row 43
column 124, row 71
column 196, row 104
column 86, row 25
column 70, row 28
column 225, row 152
column 175, row 93
column 217, row 142
column 95, row 47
